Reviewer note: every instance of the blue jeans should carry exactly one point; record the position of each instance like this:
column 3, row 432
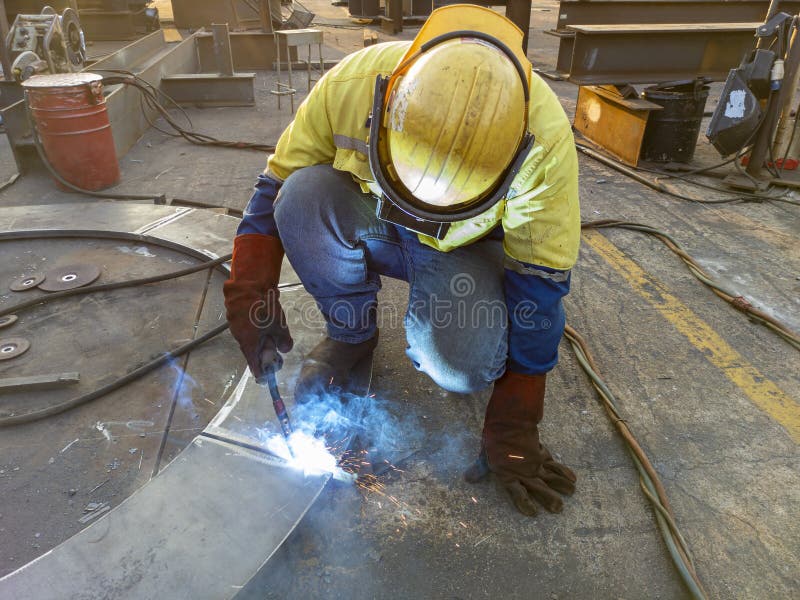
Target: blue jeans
column 456, row 320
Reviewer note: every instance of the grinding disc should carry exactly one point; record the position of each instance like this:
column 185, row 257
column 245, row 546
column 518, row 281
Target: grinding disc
column 26, row 282
column 13, row 347
column 8, row 320
column 69, row 277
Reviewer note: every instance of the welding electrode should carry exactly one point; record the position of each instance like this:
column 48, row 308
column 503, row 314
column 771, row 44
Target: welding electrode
column 279, row 406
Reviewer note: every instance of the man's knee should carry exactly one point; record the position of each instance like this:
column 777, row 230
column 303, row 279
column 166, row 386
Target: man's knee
column 305, row 197
column 467, row 371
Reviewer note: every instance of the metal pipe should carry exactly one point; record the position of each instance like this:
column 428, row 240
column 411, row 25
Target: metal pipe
column 762, row 144
column 786, row 99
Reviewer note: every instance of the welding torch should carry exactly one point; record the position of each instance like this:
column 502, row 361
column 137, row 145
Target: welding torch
column 270, row 379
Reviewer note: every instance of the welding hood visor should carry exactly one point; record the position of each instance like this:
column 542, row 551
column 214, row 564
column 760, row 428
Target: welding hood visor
column 448, row 131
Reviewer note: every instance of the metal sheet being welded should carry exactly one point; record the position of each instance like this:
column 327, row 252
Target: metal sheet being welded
column 201, row 529
column 216, row 514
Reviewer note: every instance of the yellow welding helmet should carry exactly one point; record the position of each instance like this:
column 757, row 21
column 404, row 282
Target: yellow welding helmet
column 449, row 125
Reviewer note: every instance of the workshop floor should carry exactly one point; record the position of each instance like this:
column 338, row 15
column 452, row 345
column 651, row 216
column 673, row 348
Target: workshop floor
column 711, row 397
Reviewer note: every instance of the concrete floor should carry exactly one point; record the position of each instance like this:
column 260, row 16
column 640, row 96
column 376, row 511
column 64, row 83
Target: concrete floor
column 712, row 398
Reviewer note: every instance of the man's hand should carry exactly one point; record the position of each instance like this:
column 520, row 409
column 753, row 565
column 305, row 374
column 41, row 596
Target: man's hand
column 511, row 447
column 251, row 298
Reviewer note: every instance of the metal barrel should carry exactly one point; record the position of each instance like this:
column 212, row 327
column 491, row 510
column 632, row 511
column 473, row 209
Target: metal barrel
column 70, row 116
column 671, row 133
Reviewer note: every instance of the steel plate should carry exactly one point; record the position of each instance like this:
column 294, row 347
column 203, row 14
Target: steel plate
column 201, row 529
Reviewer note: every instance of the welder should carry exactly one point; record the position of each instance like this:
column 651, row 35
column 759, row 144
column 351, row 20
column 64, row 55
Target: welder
column 447, row 163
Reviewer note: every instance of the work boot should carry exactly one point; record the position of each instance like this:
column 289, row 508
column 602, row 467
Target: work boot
column 328, row 366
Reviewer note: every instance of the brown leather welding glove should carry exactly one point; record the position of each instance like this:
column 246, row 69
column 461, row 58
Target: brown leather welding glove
column 251, row 294
column 511, row 448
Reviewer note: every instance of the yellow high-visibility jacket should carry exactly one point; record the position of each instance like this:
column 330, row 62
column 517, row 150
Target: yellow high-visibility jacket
column 540, row 214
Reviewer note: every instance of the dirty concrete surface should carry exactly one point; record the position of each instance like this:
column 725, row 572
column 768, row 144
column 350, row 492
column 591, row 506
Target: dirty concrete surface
column 718, row 415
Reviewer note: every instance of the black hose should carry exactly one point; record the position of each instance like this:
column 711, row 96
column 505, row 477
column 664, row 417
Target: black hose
column 151, row 94
column 140, row 371
column 733, row 298
column 37, row 415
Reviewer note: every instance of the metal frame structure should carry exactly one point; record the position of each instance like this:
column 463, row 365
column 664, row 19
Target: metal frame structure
column 223, row 88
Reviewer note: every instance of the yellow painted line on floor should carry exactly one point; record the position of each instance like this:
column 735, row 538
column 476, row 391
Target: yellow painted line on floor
column 760, row 390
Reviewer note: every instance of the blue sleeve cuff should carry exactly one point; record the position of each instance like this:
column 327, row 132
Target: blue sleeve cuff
column 536, row 316
column 259, row 215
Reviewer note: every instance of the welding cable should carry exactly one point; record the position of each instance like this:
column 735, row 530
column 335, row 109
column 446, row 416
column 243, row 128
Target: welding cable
column 736, row 300
column 740, row 195
column 656, row 185
column 146, row 100
column 664, row 188
column 659, row 186
column 650, row 482
column 106, row 287
column 36, row 415
column 219, row 208
column 151, row 95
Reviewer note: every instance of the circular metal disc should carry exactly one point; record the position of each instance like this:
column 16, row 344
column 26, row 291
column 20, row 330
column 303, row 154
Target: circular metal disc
column 26, row 282
column 13, row 347
column 8, row 320
column 69, row 277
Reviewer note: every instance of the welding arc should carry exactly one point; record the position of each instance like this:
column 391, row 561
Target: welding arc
column 114, row 385
column 651, row 484
column 736, row 300
column 150, row 96
column 105, row 287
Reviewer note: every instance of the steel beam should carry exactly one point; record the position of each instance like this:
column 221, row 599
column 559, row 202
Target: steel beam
column 38, row 382
column 222, row 48
column 602, row 12
column 224, row 88
column 251, row 50
column 612, row 121
column 619, row 12
column 519, row 12
column 194, row 14
column 100, row 25
column 211, row 89
column 619, row 54
column 128, row 121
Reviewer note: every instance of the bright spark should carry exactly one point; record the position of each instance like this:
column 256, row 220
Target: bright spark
column 309, row 455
